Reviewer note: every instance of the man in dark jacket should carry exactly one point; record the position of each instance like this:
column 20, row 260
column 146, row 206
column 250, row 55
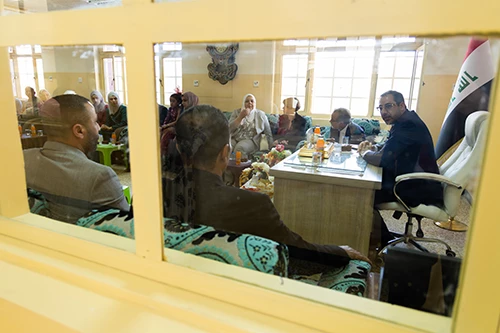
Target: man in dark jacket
column 408, row 149
column 203, row 140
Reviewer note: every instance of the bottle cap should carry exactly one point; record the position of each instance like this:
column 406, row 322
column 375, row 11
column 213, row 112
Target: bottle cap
column 317, row 130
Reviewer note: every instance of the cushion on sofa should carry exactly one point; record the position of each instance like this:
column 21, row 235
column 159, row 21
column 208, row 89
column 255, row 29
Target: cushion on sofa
column 241, row 250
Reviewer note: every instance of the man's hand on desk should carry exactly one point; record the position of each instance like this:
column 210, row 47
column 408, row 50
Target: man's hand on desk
column 364, row 147
column 355, row 255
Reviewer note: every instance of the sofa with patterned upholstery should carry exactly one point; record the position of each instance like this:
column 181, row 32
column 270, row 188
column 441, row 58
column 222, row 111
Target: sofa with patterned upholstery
column 243, row 250
column 371, row 126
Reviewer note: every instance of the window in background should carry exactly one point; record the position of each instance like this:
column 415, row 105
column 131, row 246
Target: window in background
column 400, row 71
column 294, row 77
column 352, row 72
column 342, row 79
column 26, row 66
column 168, row 70
column 113, row 69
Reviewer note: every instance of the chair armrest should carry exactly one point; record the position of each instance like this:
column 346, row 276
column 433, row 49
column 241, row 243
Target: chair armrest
column 426, row 176
column 423, row 176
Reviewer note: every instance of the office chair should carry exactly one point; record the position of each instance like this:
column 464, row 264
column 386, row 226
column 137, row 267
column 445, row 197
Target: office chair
column 454, row 176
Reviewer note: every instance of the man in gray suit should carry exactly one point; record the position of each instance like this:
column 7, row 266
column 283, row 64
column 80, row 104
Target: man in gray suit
column 72, row 184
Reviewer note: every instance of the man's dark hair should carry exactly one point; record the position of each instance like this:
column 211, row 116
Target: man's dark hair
column 60, row 113
column 344, row 115
column 202, row 131
column 398, row 97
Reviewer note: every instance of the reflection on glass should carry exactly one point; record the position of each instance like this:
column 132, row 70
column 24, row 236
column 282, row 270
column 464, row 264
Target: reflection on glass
column 13, row 7
column 292, row 90
column 74, row 133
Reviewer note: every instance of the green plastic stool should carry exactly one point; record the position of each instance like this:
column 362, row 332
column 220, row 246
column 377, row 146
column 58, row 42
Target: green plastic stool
column 126, row 193
column 106, row 150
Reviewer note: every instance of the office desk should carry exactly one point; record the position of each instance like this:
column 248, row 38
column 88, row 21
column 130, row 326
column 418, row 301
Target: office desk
column 327, row 205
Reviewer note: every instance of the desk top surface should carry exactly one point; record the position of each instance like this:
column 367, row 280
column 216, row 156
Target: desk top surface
column 370, row 178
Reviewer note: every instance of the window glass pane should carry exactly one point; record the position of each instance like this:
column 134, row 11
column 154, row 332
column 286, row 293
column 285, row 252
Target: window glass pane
column 289, row 87
column 323, row 65
column 342, row 87
column 344, row 67
column 82, row 174
column 359, row 106
column 23, row 50
column 363, row 67
column 361, row 88
column 290, row 66
column 40, row 77
column 323, row 87
column 386, row 65
column 404, row 65
column 26, row 72
column 403, row 86
column 322, row 105
column 108, row 75
column 13, row 78
column 14, row 7
column 344, row 75
column 341, row 103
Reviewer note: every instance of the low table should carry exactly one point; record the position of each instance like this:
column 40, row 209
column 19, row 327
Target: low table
column 106, row 150
column 328, row 204
column 36, row 141
column 235, row 171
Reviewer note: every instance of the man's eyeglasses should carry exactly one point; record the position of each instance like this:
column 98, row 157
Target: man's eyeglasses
column 386, row 106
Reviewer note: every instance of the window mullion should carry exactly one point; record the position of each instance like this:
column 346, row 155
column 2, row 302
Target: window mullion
column 311, row 58
column 373, row 89
column 144, row 146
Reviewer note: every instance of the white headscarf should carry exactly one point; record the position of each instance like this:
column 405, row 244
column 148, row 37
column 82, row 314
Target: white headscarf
column 253, row 116
column 112, row 108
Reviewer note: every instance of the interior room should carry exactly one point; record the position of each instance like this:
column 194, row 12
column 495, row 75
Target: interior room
column 343, row 172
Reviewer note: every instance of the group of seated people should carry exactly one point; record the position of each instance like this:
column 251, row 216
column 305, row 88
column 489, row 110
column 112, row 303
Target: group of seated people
column 201, row 141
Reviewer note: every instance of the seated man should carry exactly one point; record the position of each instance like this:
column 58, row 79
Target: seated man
column 342, row 126
column 72, row 184
column 203, row 143
column 409, row 148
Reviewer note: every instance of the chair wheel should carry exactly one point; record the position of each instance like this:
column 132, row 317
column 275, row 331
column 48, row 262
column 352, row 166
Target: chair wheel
column 420, row 233
column 450, row 253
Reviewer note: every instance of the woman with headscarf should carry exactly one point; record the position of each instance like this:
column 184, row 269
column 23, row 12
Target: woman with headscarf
column 291, row 125
column 189, row 100
column 116, row 115
column 101, row 108
column 32, row 106
column 44, row 95
column 168, row 127
column 247, row 125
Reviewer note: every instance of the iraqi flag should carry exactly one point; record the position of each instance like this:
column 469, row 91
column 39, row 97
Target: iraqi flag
column 471, row 93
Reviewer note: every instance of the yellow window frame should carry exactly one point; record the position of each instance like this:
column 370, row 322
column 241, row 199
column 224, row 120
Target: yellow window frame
column 142, row 25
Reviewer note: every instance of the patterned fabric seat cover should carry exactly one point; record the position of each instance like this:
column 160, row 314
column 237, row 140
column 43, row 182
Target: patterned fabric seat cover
column 241, row 250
